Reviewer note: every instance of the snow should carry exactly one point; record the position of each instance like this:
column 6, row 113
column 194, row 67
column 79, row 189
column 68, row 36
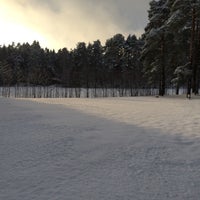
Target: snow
column 142, row 148
column 174, row 115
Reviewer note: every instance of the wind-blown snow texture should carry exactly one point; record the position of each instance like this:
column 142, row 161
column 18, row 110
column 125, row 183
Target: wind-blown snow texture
column 100, row 149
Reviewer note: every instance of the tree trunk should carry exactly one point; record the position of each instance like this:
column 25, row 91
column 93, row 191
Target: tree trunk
column 177, row 89
column 162, row 78
column 197, row 58
column 193, row 67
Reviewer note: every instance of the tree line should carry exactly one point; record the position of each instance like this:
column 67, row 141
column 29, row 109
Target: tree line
column 116, row 64
column 167, row 55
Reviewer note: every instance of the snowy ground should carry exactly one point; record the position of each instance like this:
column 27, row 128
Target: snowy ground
column 141, row 148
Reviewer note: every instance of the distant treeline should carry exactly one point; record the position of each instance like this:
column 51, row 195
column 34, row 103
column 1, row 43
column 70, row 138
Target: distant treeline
column 167, row 55
column 115, row 65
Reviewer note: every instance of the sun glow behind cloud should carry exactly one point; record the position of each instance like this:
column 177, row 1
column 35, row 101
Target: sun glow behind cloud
column 15, row 29
column 60, row 23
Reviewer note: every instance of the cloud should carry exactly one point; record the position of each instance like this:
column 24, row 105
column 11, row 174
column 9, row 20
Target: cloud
column 64, row 23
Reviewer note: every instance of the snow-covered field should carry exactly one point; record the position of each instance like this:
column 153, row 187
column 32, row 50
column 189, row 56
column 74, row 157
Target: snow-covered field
column 141, row 148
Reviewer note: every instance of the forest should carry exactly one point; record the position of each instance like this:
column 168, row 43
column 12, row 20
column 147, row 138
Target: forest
column 167, row 55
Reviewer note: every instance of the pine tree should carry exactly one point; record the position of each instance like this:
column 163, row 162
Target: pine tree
column 185, row 20
column 132, row 66
column 95, row 61
column 113, row 58
column 154, row 54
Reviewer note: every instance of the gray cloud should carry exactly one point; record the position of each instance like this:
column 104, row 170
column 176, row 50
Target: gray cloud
column 66, row 22
column 127, row 14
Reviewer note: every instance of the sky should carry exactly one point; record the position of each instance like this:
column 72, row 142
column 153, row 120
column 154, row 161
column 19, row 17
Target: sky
column 63, row 23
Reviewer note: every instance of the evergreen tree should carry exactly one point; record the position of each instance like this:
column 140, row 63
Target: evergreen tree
column 132, row 68
column 80, row 71
column 63, row 69
column 185, row 20
column 95, row 61
column 113, row 58
column 154, row 54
